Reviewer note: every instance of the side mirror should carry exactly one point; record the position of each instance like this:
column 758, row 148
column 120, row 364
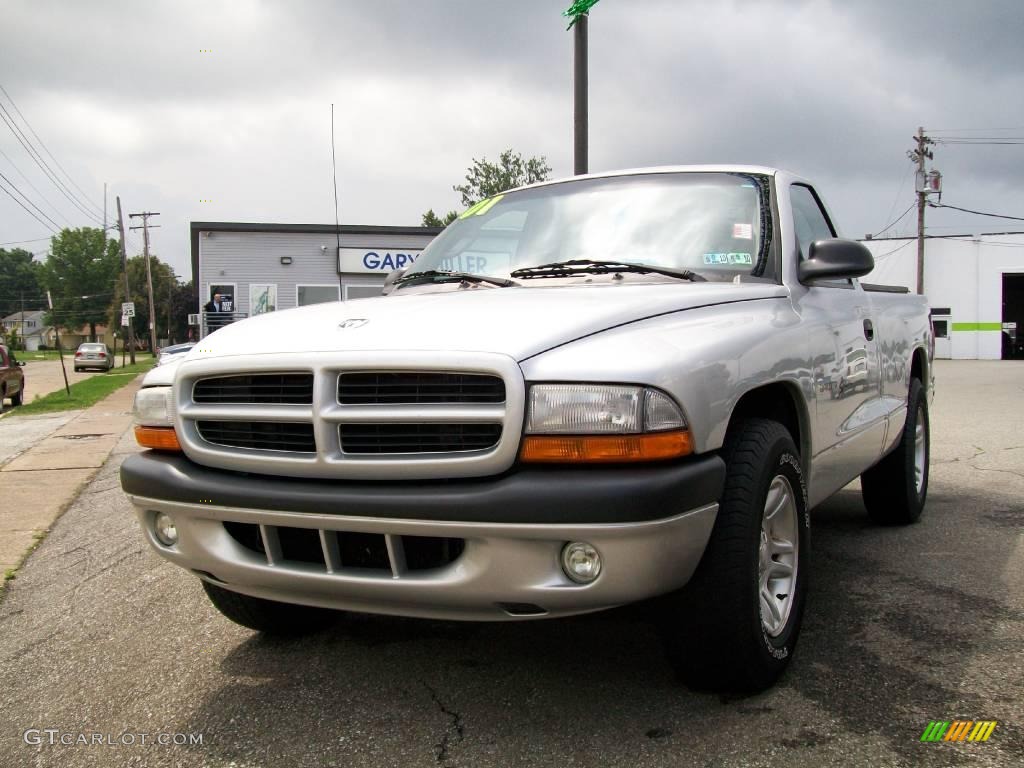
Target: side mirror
column 835, row 259
column 21, row 364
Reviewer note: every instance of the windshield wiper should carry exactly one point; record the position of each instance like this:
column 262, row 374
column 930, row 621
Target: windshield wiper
column 445, row 276
column 592, row 267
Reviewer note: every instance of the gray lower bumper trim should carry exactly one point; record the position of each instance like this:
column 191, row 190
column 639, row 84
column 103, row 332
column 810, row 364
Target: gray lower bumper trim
column 542, row 495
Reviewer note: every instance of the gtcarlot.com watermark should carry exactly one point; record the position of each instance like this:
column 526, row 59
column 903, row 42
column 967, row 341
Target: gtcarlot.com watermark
column 55, row 737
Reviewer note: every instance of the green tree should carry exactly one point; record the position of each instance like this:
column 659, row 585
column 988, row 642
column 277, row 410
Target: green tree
column 165, row 283
column 431, row 219
column 484, row 179
column 80, row 276
column 19, row 278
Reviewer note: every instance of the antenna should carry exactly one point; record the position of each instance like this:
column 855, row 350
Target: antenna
column 334, row 166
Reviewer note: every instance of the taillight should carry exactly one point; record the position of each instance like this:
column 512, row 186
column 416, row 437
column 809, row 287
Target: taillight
column 78, row 354
column 103, row 354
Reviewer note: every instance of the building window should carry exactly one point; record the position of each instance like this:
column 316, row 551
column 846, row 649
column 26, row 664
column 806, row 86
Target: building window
column 262, row 298
column 315, row 294
column 941, row 329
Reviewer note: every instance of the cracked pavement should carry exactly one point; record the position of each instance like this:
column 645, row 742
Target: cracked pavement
column 903, row 626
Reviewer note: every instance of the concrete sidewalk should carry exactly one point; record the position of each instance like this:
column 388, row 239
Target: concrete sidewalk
column 39, row 484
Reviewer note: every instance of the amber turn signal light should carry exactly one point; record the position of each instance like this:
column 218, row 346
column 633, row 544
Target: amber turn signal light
column 606, row 448
column 160, row 438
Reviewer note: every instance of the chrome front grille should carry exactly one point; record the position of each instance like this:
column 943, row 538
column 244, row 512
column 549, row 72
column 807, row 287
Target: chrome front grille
column 346, row 552
column 258, row 435
column 352, row 415
column 418, row 438
column 390, row 387
column 271, row 388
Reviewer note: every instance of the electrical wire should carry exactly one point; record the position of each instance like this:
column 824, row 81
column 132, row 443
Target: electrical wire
column 896, row 221
column 27, row 210
column 27, row 200
column 34, row 188
column 98, row 208
column 38, row 160
column 19, row 242
column 894, row 250
column 976, row 213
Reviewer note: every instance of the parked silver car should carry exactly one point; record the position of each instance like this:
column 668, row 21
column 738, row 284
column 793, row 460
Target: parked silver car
column 93, row 355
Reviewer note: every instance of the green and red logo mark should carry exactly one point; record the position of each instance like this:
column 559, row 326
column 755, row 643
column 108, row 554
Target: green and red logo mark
column 958, row 730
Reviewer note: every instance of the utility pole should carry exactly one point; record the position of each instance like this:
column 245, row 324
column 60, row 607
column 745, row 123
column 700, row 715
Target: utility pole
column 579, row 92
column 577, row 13
column 919, row 155
column 127, row 289
column 149, row 274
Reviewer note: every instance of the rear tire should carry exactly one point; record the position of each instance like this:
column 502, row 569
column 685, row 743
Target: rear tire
column 895, row 489
column 268, row 616
column 734, row 627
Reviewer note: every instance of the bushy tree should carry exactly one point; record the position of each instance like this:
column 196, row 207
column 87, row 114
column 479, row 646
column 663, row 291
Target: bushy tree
column 484, row 179
column 19, row 278
column 164, row 285
column 80, row 275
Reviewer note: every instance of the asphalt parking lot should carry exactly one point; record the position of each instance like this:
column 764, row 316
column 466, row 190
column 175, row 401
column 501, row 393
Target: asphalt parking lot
column 904, row 626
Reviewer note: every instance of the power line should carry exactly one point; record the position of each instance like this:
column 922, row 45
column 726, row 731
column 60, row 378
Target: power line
column 34, row 188
column 975, row 130
column 38, row 160
column 26, row 199
column 47, row 149
column 897, row 248
column 976, row 213
column 897, row 220
column 19, row 242
column 27, row 210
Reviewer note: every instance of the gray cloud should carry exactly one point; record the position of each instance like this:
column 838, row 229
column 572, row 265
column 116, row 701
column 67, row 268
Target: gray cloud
column 123, row 93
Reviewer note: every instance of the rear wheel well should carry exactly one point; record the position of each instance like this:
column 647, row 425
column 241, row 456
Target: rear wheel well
column 778, row 402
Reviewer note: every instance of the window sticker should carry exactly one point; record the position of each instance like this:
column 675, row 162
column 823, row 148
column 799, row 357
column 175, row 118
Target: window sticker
column 740, row 258
column 716, row 258
column 481, row 208
column 743, row 231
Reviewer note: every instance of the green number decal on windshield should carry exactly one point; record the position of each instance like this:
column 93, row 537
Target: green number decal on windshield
column 481, row 208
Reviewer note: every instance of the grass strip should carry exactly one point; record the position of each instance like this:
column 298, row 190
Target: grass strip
column 84, row 393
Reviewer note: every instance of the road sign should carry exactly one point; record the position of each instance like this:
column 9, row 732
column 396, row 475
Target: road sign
column 124, row 321
column 128, row 309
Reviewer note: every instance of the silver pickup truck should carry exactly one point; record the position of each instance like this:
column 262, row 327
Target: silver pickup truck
column 584, row 393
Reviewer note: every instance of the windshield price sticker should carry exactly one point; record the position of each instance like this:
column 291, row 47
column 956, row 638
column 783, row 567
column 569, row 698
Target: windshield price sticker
column 743, row 231
column 728, row 259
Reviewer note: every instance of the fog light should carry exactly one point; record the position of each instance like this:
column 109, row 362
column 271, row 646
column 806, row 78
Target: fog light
column 581, row 562
column 165, row 530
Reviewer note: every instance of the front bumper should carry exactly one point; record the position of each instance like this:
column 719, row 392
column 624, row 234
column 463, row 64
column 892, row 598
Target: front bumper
column 649, row 524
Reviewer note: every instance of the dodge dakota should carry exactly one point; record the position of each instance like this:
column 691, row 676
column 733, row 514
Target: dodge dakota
column 583, row 393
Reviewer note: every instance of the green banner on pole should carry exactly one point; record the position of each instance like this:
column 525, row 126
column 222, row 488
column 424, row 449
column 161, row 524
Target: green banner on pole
column 577, row 9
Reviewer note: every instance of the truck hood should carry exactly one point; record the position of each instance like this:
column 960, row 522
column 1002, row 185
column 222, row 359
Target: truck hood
column 519, row 322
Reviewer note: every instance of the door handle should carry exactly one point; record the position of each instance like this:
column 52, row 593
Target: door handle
column 869, row 330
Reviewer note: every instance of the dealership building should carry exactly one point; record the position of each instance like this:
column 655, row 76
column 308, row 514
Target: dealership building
column 259, row 268
column 974, row 283
column 975, row 287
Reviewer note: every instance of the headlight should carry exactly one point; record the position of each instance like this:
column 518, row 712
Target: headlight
column 602, row 423
column 599, row 409
column 153, row 407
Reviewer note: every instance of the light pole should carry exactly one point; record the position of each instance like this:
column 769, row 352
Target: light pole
column 578, row 12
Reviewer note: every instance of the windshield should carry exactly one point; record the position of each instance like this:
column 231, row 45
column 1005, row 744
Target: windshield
column 709, row 223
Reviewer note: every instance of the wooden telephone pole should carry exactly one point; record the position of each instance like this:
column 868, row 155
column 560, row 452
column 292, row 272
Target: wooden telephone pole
column 127, row 289
column 919, row 155
column 149, row 274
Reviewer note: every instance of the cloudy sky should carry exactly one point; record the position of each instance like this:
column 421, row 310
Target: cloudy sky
column 177, row 103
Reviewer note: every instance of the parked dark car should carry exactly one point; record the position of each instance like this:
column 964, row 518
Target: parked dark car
column 12, row 378
column 93, row 355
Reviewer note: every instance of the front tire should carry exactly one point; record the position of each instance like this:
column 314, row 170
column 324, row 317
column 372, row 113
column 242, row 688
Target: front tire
column 734, row 627
column 895, row 489
column 268, row 616
column 19, row 398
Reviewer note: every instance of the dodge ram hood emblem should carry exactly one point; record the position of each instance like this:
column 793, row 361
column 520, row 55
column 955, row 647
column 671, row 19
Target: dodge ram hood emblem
column 353, row 322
